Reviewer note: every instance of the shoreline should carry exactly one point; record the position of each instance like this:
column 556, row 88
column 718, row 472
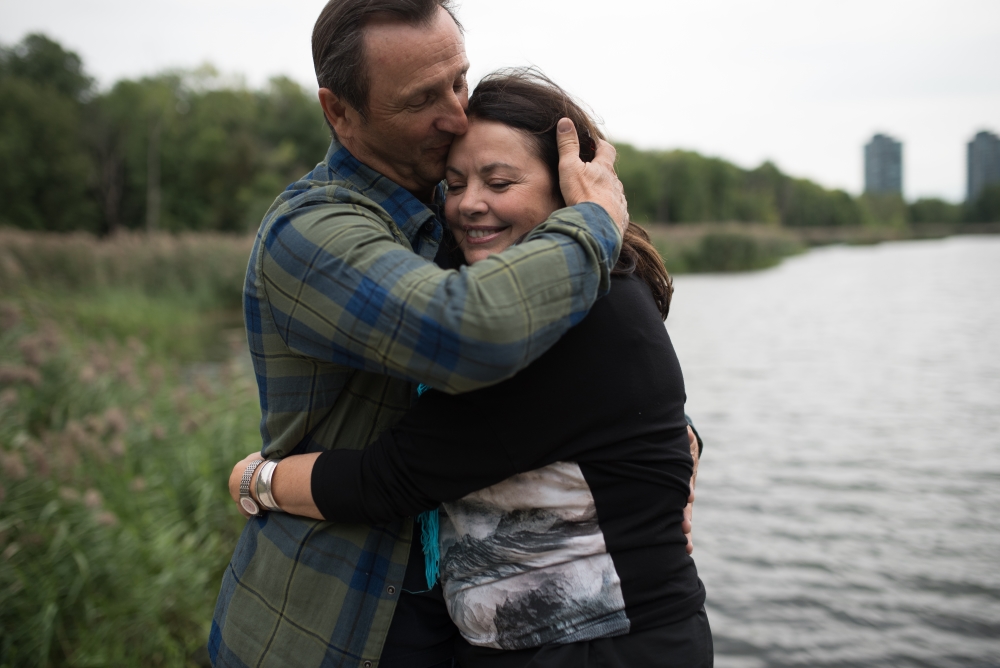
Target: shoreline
column 734, row 246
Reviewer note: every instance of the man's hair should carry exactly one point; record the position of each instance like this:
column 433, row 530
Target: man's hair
column 338, row 43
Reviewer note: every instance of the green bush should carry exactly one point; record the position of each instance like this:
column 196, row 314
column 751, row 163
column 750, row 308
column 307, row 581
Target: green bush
column 934, row 210
column 986, row 208
column 722, row 248
column 115, row 520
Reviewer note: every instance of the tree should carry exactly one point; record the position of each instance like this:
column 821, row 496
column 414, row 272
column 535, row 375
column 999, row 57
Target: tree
column 40, row 60
column 45, row 174
column 933, row 210
column 986, row 208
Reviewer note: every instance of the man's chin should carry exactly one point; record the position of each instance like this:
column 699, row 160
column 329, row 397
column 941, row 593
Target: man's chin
column 432, row 174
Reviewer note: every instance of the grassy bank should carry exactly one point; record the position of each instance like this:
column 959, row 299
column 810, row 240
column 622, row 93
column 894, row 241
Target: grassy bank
column 722, row 247
column 819, row 236
column 125, row 398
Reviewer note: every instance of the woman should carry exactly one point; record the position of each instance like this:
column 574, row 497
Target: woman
column 564, row 486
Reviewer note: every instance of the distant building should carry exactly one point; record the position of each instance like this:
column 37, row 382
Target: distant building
column 984, row 163
column 883, row 165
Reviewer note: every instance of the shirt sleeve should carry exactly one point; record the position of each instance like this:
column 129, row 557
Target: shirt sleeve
column 342, row 290
column 407, row 471
column 609, row 393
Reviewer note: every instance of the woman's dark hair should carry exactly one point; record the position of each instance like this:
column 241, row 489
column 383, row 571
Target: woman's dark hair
column 525, row 99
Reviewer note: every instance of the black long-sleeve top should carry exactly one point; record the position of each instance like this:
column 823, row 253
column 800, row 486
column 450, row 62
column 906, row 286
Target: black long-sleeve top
column 564, row 486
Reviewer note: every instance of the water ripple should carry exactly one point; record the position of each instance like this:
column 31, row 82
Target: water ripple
column 848, row 506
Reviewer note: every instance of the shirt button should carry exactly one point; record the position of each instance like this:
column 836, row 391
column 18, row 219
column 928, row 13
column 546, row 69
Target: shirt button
column 391, row 590
column 367, row 664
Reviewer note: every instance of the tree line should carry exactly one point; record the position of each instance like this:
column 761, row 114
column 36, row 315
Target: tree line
column 181, row 150
column 683, row 186
column 193, row 150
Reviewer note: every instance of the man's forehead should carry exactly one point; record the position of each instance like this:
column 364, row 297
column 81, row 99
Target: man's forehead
column 401, row 74
column 437, row 45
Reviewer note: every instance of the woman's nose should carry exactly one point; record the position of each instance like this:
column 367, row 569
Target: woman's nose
column 472, row 203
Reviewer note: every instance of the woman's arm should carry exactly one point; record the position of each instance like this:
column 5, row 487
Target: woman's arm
column 290, row 484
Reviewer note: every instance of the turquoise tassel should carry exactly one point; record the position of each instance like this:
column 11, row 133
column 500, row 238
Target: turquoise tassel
column 429, row 532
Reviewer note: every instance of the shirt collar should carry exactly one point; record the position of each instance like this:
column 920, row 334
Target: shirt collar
column 413, row 218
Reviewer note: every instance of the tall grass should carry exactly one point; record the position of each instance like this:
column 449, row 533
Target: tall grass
column 116, row 442
column 204, row 269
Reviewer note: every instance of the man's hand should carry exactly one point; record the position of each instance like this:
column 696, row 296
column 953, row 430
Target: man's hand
column 237, row 476
column 593, row 181
column 689, row 509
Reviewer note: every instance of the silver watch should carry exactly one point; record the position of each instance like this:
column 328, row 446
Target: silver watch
column 246, row 500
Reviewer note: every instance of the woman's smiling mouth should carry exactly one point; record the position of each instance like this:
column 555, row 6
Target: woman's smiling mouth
column 482, row 235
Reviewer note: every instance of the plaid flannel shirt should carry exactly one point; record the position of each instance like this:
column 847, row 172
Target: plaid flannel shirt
column 345, row 311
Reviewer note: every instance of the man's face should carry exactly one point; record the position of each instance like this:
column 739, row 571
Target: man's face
column 417, row 102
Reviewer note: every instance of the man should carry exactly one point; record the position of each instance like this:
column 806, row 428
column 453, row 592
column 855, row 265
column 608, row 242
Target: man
column 345, row 313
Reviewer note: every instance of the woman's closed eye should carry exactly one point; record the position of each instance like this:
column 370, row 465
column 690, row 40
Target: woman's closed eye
column 456, row 186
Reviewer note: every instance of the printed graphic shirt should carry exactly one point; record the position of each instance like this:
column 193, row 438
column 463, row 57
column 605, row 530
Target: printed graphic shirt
column 344, row 311
column 564, row 487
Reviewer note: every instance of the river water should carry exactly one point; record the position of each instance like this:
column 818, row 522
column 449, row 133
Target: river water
column 848, row 509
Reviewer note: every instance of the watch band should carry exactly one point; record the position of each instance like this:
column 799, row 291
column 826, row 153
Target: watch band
column 246, row 500
column 264, row 494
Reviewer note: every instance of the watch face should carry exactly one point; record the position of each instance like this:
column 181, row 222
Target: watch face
column 249, row 505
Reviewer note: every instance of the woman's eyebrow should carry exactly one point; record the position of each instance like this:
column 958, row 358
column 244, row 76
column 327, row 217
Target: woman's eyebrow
column 455, row 170
column 493, row 166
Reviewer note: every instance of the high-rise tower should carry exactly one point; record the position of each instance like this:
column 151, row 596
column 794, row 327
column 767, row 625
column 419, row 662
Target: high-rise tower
column 883, row 165
column 984, row 163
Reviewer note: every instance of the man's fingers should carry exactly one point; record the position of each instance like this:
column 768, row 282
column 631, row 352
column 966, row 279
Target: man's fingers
column 693, row 445
column 595, row 181
column 607, row 154
column 687, row 527
column 569, row 143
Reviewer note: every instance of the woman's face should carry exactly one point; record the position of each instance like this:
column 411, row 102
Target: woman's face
column 498, row 190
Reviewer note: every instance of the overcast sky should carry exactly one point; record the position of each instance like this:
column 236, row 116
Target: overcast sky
column 801, row 82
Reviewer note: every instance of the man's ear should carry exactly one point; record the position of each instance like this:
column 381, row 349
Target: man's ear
column 339, row 115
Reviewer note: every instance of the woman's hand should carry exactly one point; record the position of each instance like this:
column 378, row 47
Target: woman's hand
column 237, row 476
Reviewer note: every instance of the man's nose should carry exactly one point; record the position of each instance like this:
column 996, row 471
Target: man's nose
column 453, row 119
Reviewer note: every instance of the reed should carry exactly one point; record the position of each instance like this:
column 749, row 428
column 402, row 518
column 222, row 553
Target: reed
column 204, row 267
column 115, row 520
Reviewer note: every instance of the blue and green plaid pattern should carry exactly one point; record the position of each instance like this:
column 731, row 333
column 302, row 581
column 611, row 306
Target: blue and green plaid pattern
column 344, row 311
